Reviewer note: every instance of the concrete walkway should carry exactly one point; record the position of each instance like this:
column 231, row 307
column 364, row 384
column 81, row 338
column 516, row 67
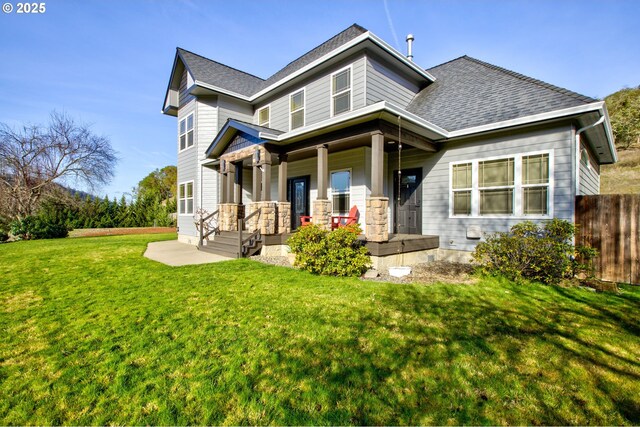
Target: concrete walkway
column 175, row 254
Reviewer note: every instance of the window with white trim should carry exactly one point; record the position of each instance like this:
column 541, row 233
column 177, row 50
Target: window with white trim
column 264, row 116
column 296, row 109
column 341, row 192
column 535, row 184
column 185, row 198
column 341, row 91
column 186, row 132
column 518, row 185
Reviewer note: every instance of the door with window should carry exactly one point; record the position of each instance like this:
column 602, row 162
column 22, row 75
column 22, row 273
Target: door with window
column 408, row 211
column 298, row 196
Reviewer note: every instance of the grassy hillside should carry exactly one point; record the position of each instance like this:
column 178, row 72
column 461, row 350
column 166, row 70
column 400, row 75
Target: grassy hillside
column 624, row 176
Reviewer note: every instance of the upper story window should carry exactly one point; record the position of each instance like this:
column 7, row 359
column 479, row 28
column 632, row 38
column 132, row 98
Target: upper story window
column 518, row 185
column 264, row 116
column 186, row 132
column 296, row 108
column 341, row 91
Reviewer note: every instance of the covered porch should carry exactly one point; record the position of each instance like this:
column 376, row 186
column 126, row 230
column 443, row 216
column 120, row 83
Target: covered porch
column 266, row 185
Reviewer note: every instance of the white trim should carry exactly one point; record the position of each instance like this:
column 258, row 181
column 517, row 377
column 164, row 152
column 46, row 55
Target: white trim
column 330, row 192
column 595, row 106
column 304, row 107
column 193, row 191
column 269, row 120
column 333, row 95
column 517, row 186
column 378, row 107
column 186, row 133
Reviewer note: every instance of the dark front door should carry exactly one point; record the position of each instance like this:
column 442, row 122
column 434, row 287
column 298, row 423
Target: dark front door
column 408, row 218
column 298, row 195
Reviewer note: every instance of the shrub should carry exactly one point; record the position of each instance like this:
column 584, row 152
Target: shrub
column 4, row 229
column 335, row 253
column 35, row 227
column 533, row 252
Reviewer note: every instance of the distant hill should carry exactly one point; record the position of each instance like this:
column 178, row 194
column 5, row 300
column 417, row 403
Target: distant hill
column 624, row 176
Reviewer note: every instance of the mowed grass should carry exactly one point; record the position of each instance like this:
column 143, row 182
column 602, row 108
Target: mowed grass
column 93, row 333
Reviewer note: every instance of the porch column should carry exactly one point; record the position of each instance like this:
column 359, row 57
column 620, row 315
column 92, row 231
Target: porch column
column 284, row 207
column 231, row 172
column 377, row 206
column 322, row 206
column 222, row 197
column 237, row 184
column 257, row 180
column 266, row 177
column 377, row 164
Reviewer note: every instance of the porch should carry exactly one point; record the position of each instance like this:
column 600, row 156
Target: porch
column 265, row 186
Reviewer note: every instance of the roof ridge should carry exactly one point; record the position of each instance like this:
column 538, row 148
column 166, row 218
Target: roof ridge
column 447, row 62
column 220, row 63
column 354, row 25
column 563, row 91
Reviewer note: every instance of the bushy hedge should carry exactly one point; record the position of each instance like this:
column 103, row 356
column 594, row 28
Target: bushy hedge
column 543, row 253
column 36, row 227
column 335, row 253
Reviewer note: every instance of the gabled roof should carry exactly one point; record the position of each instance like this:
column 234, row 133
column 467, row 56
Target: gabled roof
column 469, row 92
column 220, row 75
column 231, row 128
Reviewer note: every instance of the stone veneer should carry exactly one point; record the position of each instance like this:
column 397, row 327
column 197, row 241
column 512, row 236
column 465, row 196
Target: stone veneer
column 377, row 219
column 321, row 213
column 228, row 216
column 284, row 217
column 266, row 221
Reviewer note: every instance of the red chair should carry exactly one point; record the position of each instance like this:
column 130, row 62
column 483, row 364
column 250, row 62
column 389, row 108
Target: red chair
column 304, row 220
column 343, row 221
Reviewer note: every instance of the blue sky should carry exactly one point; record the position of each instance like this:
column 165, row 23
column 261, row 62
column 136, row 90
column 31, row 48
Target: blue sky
column 108, row 62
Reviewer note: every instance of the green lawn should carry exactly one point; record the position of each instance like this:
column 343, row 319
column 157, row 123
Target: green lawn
column 93, row 333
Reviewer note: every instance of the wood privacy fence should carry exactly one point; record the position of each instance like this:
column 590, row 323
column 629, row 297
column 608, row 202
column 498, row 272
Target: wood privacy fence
column 611, row 224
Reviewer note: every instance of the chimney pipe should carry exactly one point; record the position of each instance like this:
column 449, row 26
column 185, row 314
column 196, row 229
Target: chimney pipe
column 410, row 47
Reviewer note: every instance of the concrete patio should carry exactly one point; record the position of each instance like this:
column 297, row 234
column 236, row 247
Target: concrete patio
column 175, row 254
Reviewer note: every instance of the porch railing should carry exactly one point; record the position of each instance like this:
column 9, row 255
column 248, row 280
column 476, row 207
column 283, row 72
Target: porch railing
column 209, row 232
column 245, row 243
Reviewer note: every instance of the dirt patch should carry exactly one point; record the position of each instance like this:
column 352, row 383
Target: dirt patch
column 433, row 272
column 95, row 232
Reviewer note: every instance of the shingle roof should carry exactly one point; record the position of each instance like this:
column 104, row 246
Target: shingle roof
column 469, row 92
column 220, row 75
column 225, row 77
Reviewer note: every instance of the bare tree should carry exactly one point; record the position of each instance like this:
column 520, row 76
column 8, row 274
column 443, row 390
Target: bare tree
column 33, row 159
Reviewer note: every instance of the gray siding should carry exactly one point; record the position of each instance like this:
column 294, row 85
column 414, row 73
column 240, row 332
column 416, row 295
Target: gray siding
column 317, row 97
column 382, row 84
column 188, row 166
column 229, row 108
column 436, row 186
column 589, row 173
column 184, row 96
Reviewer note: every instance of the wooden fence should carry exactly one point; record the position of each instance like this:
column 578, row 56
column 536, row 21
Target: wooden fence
column 611, row 224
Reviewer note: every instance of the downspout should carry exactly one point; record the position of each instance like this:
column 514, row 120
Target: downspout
column 578, row 150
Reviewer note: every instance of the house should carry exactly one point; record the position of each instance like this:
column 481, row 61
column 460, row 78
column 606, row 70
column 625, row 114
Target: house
column 432, row 158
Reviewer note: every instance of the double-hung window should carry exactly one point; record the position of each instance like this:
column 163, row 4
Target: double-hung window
column 296, row 109
column 341, row 191
column 495, row 181
column 341, row 91
column 518, row 185
column 185, row 198
column 186, row 132
column 264, row 116
column 535, row 184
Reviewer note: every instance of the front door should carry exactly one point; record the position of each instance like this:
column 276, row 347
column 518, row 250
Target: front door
column 408, row 211
column 298, row 195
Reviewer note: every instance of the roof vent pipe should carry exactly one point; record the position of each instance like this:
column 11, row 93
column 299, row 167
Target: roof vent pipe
column 410, row 47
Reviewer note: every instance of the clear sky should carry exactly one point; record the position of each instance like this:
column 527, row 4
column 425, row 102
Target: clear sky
column 107, row 62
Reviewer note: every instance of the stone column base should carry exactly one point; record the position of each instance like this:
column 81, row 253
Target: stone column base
column 377, row 219
column 321, row 213
column 228, row 216
column 284, row 217
column 266, row 220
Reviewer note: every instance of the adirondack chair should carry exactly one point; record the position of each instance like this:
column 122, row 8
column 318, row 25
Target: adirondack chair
column 343, row 221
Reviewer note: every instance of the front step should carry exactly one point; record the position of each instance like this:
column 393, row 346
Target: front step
column 226, row 244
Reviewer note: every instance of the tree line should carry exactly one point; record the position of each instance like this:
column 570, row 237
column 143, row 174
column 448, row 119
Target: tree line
column 39, row 163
